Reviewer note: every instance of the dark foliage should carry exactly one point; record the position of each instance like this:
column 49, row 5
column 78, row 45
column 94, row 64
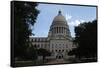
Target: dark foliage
column 32, row 53
column 25, row 14
column 43, row 52
column 86, row 37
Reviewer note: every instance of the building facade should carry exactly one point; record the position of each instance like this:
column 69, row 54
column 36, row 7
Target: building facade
column 59, row 40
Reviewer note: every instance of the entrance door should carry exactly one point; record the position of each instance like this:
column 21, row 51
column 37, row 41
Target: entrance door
column 59, row 56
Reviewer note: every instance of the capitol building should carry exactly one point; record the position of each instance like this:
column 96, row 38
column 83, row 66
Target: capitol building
column 59, row 40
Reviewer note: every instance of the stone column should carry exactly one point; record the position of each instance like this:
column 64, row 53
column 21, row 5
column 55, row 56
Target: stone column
column 58, row 29
column 55, row 29
column 64, row 30
column 61, row 29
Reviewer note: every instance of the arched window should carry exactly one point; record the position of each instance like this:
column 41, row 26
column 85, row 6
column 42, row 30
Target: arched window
column 35, row 45
column 32, row 40
column 59, row 50
column 62, row 50
column 38, row 46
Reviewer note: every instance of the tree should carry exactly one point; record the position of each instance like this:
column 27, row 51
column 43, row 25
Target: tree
column 31, row 53
column 43, row 52
column 25, row 14
column 86, row 37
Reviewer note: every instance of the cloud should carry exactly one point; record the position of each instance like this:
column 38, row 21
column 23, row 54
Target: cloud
column 68, row 16
column 75, row 22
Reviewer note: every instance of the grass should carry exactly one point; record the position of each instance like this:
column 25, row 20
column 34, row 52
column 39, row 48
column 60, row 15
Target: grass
column 28, row 63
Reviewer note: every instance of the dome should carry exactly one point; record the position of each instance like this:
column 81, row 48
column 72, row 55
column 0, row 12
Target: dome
column 59, row 18
column 59, row 27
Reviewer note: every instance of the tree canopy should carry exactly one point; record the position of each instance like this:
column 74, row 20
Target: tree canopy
column 25, row 14
column 43, row 52
column 86, row 37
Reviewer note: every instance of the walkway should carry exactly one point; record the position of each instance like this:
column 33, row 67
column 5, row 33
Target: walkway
column 57, row 61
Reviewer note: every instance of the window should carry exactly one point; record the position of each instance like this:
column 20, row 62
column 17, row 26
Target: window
column 38, row 45
column 59, row 50
column 41, row 46
column 32, row 40
column 35, row 45
column 35, row 39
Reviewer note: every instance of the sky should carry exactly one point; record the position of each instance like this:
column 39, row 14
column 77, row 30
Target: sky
column 73, row 14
